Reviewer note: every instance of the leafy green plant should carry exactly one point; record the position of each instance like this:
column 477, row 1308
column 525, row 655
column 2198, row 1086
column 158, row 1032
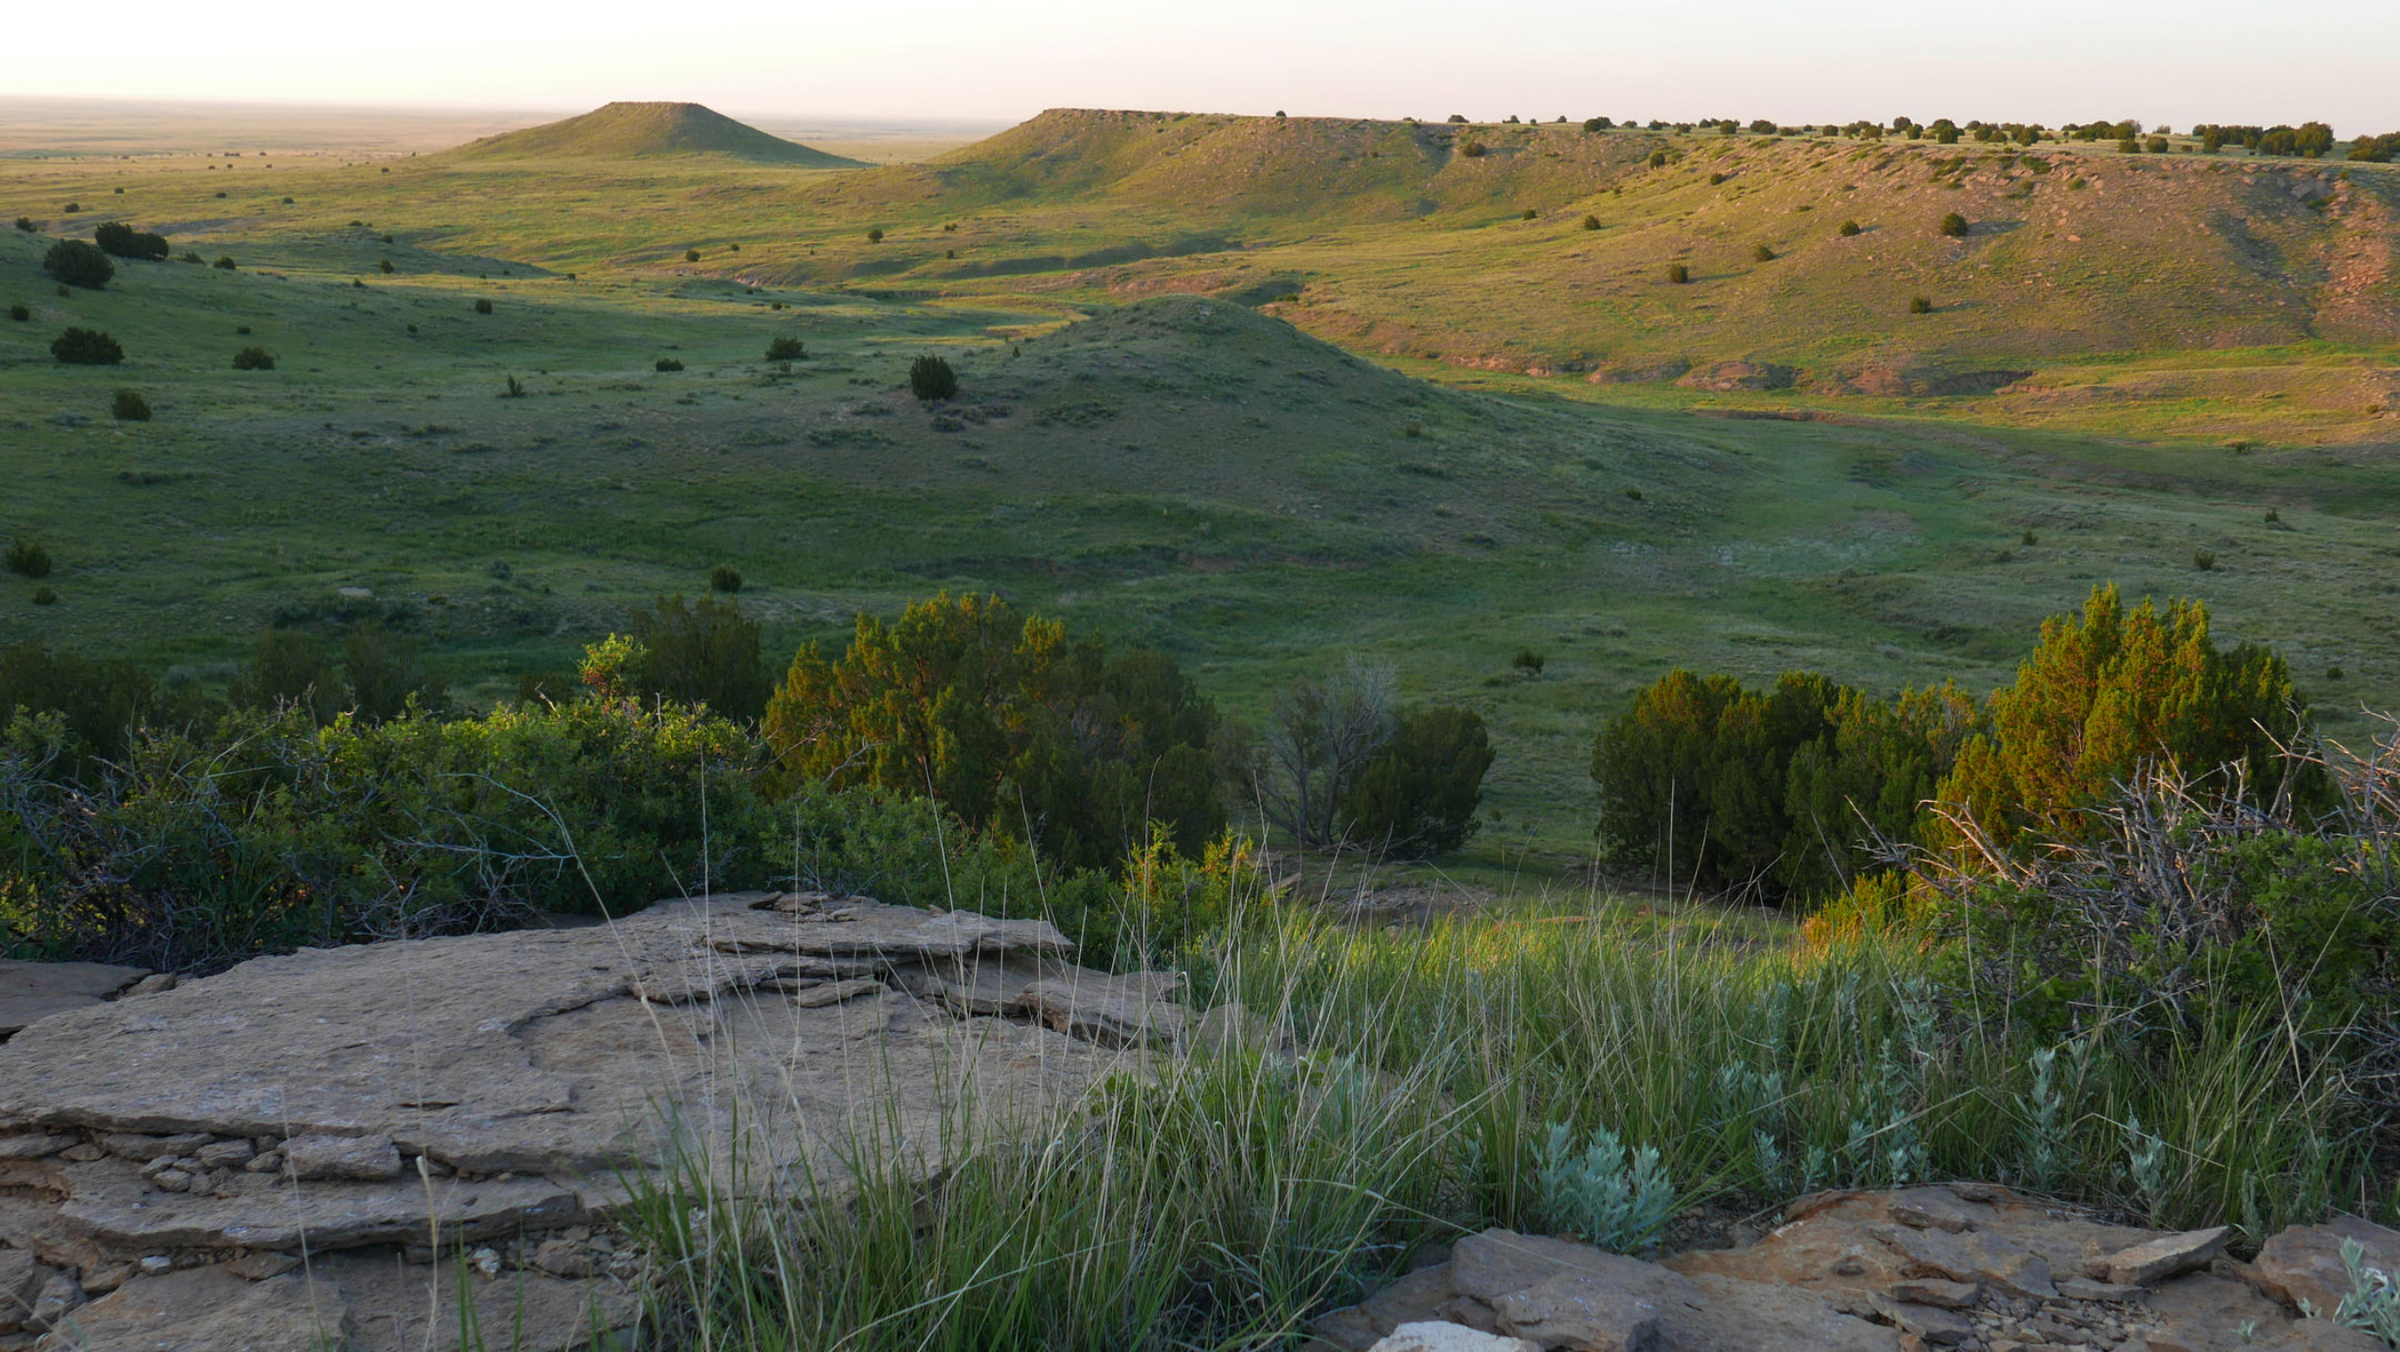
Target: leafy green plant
column 75, row 262
column 1762, row 254
column 668, row 364
column 483, row 305
column 724, row 578
column 253, row 359
column 86, row 347
column 21, row 313
column 1615, row 1198
column 45, row 596
column 1529, row 661
column 1417, row 795
column 224, row 263
column 1848, row 229
column 786, row 348
column 875, row 235
column 691, row 255
column 1920, row 305
column 25, row 223
column 1952, row 225
column 931, row 379
column 1678, row 274
column 129, row 406
column 2204, row 559
column 1473, row 150
column 1591, row 222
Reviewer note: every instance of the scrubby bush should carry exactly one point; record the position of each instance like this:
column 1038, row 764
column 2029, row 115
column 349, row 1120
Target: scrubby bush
column 875, row 235
column 2112, row 688
column 2204, row 559
column 724, row 578
column 45, row 596
column 1678, row 274
column 124, row 241
column 697, row 653
column 668, row 364
column 1473, row 150
column 253, row 359
column 75, row 262
column 86, row 347
column 483, row 305
column 1529, row 662
column 1528, row 214
column 1762, row 254
column 22, row 314
column 71, row 208
column 786, row 349
column 1009, row 724
column 931, row 379
column 1920, row 305
column 27, row 558
column 289, row 671
column 1658, row 159
column 129, row 406
column 691, row 255
column 385, row 677
column 385, row 267
column 1596, row 124
column 25, row 223
column 1591, row 222
column 224, row 263
column 1848, row 229
column 2156, row 145
column 1952, row 225
column 1417, row 796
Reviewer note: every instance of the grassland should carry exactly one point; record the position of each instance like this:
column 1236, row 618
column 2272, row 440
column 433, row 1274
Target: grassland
column 1429, row 477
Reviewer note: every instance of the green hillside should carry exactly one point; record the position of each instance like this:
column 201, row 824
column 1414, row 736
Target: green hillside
column 631, row 131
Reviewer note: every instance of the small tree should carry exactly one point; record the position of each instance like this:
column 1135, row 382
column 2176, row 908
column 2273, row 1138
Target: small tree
column 1848, row 229
column 75, row 262
column 701, row 653
column 253, row 359
column 1920, row 305
column 931, row 379
column 515, row 389
column 1678, row 274
column 224, row 263
column 1658, row 159
column 1418, row 795
column 130, row 406
column 724, row 578
column 289, row 671
column 86, row 347
column 1473, row 150
column 668, row 364
column 1762, row 254
column 27, row 558
column 124, row 241
column 786, row 349
column 25, row 223
column 385, row 267
column 1591, row 222
column 1529, row 661
column 875, row 235
column 483, row 305
column 385, row 676
column 1953, row 225
column 691, row 255
column 22, row 314
column 1529, row 214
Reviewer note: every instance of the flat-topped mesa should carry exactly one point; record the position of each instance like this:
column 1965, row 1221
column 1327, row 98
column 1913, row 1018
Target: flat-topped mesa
column 510, row 1089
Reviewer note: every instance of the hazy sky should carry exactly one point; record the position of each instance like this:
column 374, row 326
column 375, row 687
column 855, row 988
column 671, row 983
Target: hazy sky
column 1827, row 60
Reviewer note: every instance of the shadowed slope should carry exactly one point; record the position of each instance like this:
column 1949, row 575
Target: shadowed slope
column 644, row 130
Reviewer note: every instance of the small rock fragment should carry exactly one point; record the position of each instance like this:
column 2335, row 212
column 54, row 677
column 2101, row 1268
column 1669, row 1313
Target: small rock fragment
column 835, row 992
column 137, row 1147
column 172, row 1180
column 152, row 984
column 1928, row 1209
column 60, row 1293
column 1937, row 1326
column 264, row 1164
column 83, row 1154
column 33, row 1146
column 225, row 1154
column 325, row 1158
column 259, row 1265
column 560, row 1258
column 2084, row 1288
column 485, row 1260
column 157, row 1263
column 2161, row 1258
column 1935, row 1291
column 1439, row 1337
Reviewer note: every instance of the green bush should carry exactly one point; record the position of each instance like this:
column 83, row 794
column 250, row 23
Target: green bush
column 289, row 672
column 124, row 241
column 27, row 558
column 385, row 267
column 1417, row 796
column 724, row 578
column 385, row 677
column 786, row 349
column 86, row 347
column 75, row 262
column 253, row 359
column 2205, row 560
column 1591, row 222
column 668, row 364
column 224, row 263
column 1762, row 254
column 1473, row 150
column 875, row 235
column 1920, row 305
column 129, row 406
column 1658, row 159
column 1529, row 214
column 1848, row 229
column 22, row 314
column 25, row 223
column 1008, row 724
column 704, row 653
column 1529, row 661
column 1678, row 274
column 45, row 596
column 483, row 305
column 691, row 255
column 1952, row 225
column 931, row 379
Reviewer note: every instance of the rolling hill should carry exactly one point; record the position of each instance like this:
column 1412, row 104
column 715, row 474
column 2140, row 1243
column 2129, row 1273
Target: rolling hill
column 627, row 131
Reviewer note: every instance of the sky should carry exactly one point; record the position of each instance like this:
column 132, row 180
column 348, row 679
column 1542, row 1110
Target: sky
column 1004, row 60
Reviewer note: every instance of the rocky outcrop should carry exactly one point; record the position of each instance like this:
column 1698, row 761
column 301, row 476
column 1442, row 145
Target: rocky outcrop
column 37, row 990
column 1971, row 1267
column 1728, row 376
column 343, row 1140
